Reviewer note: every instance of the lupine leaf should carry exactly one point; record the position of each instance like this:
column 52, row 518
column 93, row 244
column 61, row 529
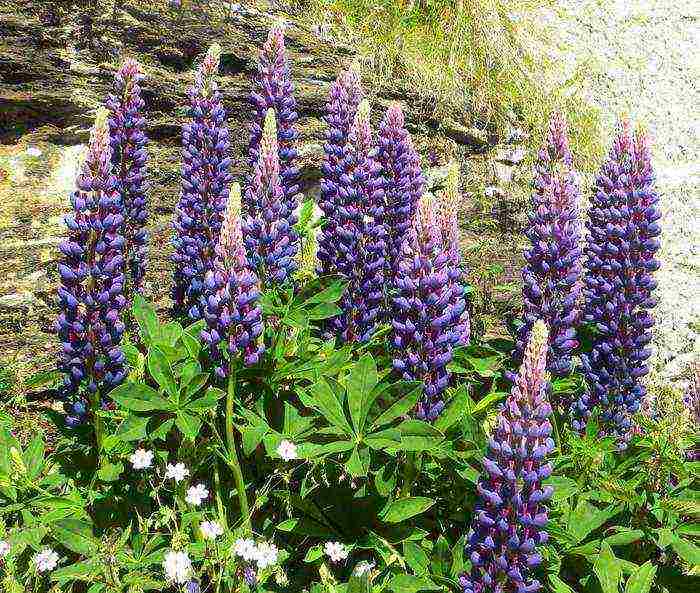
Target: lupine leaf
column 405, row 508
column 607, row 569
column 360, row 383
column 642, row 579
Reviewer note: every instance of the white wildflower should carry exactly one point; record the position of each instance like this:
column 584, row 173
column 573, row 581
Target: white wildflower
column 141, row 459
column 46, row 560
column 336, row 551
column 362, row 568
column 196, row 494
column 287, row 450
column 4, row 548
column 211, row 529
column 246, row 549
column 33, row 151
column 177, row 567
column 266, row 555
column 177, row 472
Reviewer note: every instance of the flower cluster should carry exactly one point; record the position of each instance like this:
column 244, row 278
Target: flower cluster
column 230, row 302
column 404, row 179
column 345, row 96
column 620, row 261
column 552, row 272
column 91, row 287
column 360, row 234
column 448, row 209
column 424, row 309
column 128, row 141
column 510, row 516
column 270, row 237
column 273, row 89
column 205, row 187
column 263, row 555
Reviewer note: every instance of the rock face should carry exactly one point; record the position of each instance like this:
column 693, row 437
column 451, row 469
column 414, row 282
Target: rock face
column 57, row 62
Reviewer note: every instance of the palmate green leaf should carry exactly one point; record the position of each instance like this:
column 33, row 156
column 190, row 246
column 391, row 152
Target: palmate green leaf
column 405, row 508
column 331, row 294
column 358, row 463
column 132, row 428
column 642, row 579
column 625, row 537
column 416, row 558
column 586, row 518
column 559, row 586
column 146, row 317
column 76, row 535
column 460, row 405
column 404, row 583
column 33, row 457
column 161, row 371
column 564, row 488
column 193, row 385
column 360, row 384
column 325, row 401
column 686, row 550
column 322, row 311
column 189, row 424
column 398, row 408
column 607, row 569
column 385, row 479
column 487, row 401
column 138, row 397
column 208, row 401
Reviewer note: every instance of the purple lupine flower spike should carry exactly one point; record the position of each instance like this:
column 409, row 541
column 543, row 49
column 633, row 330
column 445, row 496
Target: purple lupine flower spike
column 620, row 262
column 424, row 310
column 273, row 89
column 361, row 234
column 448, row 210
column 345, row 96
column 128, row 141
column 230, row 303
column 552, row 274
column 91, row 297
column 271, row 240
column 511, row 515
column 404, row 179
column 205, row 187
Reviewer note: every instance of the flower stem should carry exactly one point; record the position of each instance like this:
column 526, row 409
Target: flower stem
column 97, row 422
column 232, row 451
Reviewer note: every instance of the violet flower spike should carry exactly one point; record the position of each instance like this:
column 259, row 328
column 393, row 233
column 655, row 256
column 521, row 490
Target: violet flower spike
column 205, row 187
column 448, row 209
column 424, row 309
column 361, row 235
column 273, row 89
column 345, row 96
column 405, row 183
column 619, row 284
column 511, row 515
column 552, row 274
column 128, row 141
column 90, row 293
column 270, row 238
column 230, row 303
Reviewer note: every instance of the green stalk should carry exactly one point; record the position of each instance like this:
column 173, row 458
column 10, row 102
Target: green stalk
column 97, row 422
column 232, row 459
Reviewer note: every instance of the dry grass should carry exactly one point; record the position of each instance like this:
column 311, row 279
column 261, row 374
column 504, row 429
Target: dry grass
column 492, row 62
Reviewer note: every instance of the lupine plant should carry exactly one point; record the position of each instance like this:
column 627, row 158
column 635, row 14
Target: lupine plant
column 361, row 234
column 270, row 236
column 205, row 186
column 317, row 464
column 448, row 209
column 619, row 284
column 91, row 297
column 552, row 274
column 404, row 179
column 273, row 89
column 511, row 516
column 128, row 141
column 424, row 310
column 345, row 96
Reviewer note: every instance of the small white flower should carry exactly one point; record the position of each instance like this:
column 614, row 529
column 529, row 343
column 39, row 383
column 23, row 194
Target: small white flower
column 266, row 555
column 177, row 472
column 33, row 151
column 362, row 568
column 287, row 450
column 46, row 560
column 211, row 529
column 196, row 494
column 4, row 548
column 336, row 551
column 141, row 459
column 246, row 549
column 177, row 567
